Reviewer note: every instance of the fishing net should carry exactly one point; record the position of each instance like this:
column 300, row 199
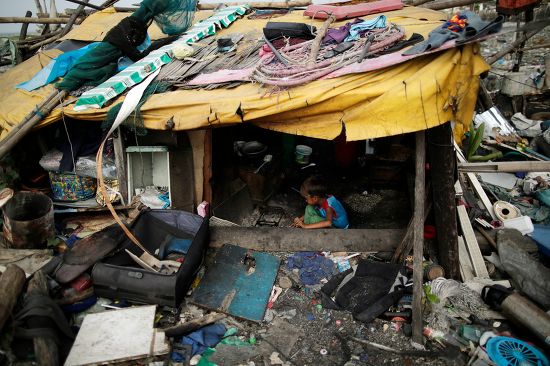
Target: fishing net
column 100, row 63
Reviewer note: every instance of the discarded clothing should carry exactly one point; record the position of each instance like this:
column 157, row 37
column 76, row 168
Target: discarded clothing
column 203, row 338
column 313, row 267
column 356, row 29
column 367, row 290
column 337, row 35
column 58, row 67
column 539, row 213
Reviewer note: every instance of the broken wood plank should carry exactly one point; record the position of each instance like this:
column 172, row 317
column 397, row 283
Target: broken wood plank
column 11, row 284
column 418, row 237
column 192, row 325
column 466, row 269
column 446, row 4
column 506, row 166
column 295, row 240
column 478, row 263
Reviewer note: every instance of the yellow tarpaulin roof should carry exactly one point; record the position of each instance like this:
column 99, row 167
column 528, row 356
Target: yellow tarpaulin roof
column 415, row 95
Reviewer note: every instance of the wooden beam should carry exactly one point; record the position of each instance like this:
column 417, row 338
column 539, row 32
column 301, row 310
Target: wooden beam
column 37, row 20
column 293, row 239
column 192, row 325
column 506, row 166
column 11, row 284
column 86, row 4
column 418, row 237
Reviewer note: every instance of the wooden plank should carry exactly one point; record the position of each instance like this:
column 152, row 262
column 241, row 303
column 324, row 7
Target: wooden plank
column 472, row 246
column 506, row 166
column 418, row 237
column 293, row 239
column 466, row 269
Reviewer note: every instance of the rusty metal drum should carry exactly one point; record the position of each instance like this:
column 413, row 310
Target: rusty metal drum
column 28, row 220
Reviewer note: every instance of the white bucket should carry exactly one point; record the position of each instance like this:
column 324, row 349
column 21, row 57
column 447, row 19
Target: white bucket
column 303, row 152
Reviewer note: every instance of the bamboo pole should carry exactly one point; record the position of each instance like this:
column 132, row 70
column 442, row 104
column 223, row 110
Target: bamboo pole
column 72, row 20
column 37, row 20
column 524, row 37
column 96, row 7
column 25, row 27
column 31, row 120
column 446, row 4
column 29, row 41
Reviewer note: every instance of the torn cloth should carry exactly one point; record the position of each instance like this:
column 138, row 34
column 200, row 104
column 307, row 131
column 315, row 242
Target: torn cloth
column 313, row 267
column 367, row 290
column 203, row 338
column 357, row 29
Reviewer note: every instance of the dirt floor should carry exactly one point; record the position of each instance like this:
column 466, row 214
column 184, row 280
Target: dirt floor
column 302, row 332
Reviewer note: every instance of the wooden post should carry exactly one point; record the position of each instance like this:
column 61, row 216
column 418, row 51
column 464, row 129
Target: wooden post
column 207, row 167
column 25, row 26
column 442, row 174
column 513, row 46
column 418, row 247
column 11, row 285
column 45, row 349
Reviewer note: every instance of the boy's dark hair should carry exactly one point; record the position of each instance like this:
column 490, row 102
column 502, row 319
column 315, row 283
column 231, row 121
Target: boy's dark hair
column 315, row 185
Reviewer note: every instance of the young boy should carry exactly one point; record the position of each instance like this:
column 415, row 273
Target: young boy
column 323, row 210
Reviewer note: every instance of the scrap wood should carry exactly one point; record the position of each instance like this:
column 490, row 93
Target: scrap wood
column 466, row 269
column 11, row 284
column 191, row 326
column 505, row 166
column 316, row 45
column 472, row 246
column 418, row 237
column 415, row 353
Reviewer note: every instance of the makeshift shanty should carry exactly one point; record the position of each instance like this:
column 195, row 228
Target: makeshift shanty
column 329, row 183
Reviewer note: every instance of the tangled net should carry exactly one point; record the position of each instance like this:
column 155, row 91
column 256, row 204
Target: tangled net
column 271, row 71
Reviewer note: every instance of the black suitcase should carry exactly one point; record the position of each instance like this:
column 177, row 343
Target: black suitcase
column 117, row 276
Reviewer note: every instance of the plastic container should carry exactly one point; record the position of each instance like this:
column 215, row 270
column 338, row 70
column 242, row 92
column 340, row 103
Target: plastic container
column 302, row 154
column 522, row 224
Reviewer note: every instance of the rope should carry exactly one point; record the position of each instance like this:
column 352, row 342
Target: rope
column 272, row 71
